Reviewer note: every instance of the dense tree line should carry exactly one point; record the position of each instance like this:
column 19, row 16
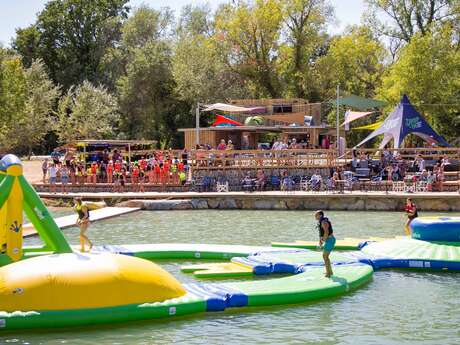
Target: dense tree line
column 100, row 69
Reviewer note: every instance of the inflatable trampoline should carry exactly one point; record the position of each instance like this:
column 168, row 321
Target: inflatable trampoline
column 442, row 229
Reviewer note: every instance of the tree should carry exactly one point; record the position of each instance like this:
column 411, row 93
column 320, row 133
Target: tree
column 428, row 71
column 12, row 97
column 27, row 97
column 87, row 112
column 71, row 37
column 355, row 61
column 247, row 35
column 305, row 22
column 36, row 119
column 145, row 85
column 409, row 17
column 199, row 74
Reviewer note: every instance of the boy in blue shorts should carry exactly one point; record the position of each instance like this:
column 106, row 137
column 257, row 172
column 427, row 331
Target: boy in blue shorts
column 326, row 240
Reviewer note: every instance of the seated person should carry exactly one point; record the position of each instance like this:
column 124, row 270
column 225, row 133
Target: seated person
column 286, row 182
column 260, row 180
column 430, row 179
column 424, row 176
column 315, row 181
column 248, row 182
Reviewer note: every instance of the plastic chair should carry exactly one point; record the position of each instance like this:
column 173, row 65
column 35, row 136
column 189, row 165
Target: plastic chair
column 274, row 182
column 222, row 187
column 399, row 186
column 287, row 184
column 421, row 186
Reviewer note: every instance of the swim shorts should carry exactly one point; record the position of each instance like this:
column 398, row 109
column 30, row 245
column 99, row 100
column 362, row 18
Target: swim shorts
column 329, row 244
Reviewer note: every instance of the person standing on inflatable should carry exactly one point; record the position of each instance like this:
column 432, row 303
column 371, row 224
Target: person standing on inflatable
column 412, row 213
column 326, row 240
column 83, row 223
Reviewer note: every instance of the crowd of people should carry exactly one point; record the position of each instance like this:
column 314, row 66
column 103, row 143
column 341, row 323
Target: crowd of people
column 275, row 144
column 113, row 168
column 393, row 167
column 172, row 167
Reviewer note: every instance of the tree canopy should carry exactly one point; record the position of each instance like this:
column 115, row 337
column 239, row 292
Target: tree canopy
column 100, row 69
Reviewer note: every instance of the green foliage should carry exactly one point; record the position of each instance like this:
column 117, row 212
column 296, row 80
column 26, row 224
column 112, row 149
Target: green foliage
column 41, row 95
column 71, row 37
column 27, row 97
column 247, row 34
column 86, row 111
column 151, row 69
column 198, row 71
column 305, row 27
column 355, row 61
column 428, row 71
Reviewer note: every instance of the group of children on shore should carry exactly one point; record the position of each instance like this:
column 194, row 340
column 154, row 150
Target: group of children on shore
column 155, row 169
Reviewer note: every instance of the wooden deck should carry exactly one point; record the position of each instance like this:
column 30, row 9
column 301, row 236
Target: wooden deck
column 71, row 220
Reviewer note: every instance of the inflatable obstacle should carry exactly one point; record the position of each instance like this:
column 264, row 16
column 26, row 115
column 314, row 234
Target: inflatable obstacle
column 442, row 229
column 345, row 244
column 412, row 254
column 16, row 196
column 348, row 243
column 80, row 289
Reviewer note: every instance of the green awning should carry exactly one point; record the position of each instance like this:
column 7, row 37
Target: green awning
column 358, row 102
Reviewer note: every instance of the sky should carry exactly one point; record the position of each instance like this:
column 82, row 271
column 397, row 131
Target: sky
column 21, row 13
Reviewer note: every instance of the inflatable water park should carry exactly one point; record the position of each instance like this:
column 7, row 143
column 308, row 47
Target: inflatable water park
column 55, row 285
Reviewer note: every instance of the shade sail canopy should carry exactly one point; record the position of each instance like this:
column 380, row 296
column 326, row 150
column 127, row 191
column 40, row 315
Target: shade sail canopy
column 232, row 108
column 371, row 127
column 405, row 120
column 358, row 102
column 351, row 116
column 221, row 121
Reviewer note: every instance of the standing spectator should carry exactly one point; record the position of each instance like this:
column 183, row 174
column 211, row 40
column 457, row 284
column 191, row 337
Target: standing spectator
column 68, row 157
column 439, row 176
column 64, row 172
column 184, row 157
column 142, row 177
column 149, row 174
column 53, row 177
column 73, row 171
column 276, row 145
column 89, row 175
column 105, row 156
column 45, row 169
column 143, row 164
column 222, row 146
column 245, row 142
column 94, row 172
column 116, row 156
column 109, row 172
column 419, row 162
column 284, row 144
column 55, row 156
column 230, row 146
column 135, row 177
column 294, row 145
column 430, row 180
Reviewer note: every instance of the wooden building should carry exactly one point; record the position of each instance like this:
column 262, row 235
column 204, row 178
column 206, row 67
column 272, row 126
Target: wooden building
column 287, row 118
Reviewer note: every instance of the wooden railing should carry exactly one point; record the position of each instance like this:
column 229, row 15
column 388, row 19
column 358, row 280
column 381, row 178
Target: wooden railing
column 253, row 159
column 451, row 153
column 305, row 158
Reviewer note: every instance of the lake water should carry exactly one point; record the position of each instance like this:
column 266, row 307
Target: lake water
column 397, row 307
